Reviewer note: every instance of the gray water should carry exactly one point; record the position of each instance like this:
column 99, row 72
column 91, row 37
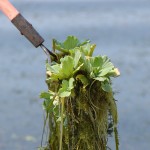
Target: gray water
column 119, row 28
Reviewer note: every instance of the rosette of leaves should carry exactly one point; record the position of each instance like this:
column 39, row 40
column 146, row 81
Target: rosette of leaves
column 80, row 107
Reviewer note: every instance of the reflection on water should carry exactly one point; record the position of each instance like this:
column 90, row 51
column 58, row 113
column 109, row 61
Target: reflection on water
column 121, row 31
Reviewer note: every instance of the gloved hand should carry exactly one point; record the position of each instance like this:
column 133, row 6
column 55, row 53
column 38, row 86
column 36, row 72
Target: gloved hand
column 8, row 9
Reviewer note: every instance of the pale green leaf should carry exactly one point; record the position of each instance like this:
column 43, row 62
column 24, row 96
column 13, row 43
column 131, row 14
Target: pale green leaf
column 92, row 48
column 64, row 93
column 107, row 63
column 63, row 70
column 101, row 79
column 96, row 61
column 104, row 71
column 85, row 49
column 105, row 66
column 87, row 67
column 66, row 88
column 67, row 66
column 77, row 58
column 54, row 68
column 71, row 83
column 106, row 86
column 71, row 42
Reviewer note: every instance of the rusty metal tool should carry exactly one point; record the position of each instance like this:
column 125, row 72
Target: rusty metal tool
column 24, row 26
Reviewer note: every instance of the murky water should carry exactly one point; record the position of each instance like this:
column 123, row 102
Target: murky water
column 119, row 28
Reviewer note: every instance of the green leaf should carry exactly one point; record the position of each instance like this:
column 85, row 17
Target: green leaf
column 59, row 46
column 63, row 70
column 54, row 68
column 107, row 63
column 101, row 79
column 106, row 86
column 64, row 93
column 48, row 102
column 45, row 95
column 96, row 61
column 67, row 86
column 67, row 66
column 106, row 66
column 88, row 49
column 77, row 58
column 105, row 71
column 47, row 105
column 87, row 67
column 85, row 49
column 92, row 48
column 70, row 43
column 71, row 83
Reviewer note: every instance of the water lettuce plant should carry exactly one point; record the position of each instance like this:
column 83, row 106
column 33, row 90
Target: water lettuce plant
column 80, row 107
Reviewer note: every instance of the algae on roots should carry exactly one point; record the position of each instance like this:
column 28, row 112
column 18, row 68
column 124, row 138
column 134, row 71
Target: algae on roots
column 80, row 108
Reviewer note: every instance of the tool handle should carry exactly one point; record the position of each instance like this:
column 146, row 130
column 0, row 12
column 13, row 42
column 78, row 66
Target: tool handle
column 21, row 23
column 27, row 30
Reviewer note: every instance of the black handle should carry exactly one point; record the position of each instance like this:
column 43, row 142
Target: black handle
column 27, row 30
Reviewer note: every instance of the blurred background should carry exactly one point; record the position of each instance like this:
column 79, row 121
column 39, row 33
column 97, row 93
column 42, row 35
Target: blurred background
column 120, row 28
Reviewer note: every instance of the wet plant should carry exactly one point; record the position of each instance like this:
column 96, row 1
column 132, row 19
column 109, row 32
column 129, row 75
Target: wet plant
column 80, row 109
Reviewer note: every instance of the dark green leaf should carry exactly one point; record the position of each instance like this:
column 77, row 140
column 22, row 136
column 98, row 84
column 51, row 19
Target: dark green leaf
column 45, row 95
column 47, row 105
column 83, row 79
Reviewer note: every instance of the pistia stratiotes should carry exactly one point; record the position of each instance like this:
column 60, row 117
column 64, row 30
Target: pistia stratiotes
column 80, row 107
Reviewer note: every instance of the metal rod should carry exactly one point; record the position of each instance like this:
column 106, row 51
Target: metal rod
column 47, row 51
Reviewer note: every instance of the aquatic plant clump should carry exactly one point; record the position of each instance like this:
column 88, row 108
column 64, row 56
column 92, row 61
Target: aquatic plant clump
column 80, row 107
